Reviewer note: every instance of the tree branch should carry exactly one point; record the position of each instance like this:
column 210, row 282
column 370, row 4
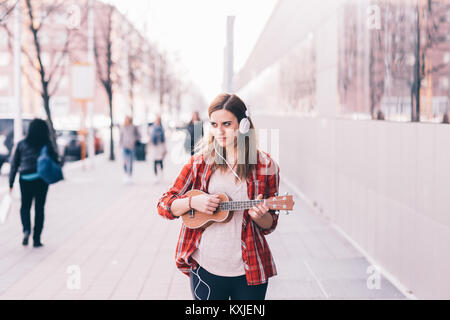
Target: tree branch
column 31, row 83
column 8, row 10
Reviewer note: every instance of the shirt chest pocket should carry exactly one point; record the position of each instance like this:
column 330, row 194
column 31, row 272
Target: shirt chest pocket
column 259, row 187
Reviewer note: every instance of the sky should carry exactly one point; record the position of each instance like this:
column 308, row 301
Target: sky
column 195, row 31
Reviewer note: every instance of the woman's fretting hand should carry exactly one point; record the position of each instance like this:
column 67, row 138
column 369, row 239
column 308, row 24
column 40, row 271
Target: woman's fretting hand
column 258, row 211
column 205, row 203
column 260, row 215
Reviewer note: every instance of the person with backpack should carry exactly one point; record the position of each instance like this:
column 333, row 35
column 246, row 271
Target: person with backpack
column 32, row 185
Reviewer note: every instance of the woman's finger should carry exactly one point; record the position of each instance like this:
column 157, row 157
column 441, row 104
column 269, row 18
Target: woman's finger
column 263, row 208
column 256, row 210
column 212, row 204
column 215, row 199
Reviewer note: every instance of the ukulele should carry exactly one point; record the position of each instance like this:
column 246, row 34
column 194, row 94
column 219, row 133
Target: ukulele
column 194, row 219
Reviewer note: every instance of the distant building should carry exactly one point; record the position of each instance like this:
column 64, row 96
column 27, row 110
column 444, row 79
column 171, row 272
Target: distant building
column 52, row 38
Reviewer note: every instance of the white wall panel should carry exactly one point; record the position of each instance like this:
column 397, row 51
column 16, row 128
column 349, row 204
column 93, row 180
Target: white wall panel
column 385, row 184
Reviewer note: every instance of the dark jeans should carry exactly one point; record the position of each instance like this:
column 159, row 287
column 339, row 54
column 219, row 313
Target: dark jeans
column 207, row 286
column 37, row 190
column 128, row 156
column 160, row 163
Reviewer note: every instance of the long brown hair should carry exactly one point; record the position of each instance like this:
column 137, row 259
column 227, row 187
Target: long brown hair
column 246, row 144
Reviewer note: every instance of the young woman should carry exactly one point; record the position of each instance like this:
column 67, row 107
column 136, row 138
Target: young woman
column 32, row 186
column 129, row 135
column 226, row 260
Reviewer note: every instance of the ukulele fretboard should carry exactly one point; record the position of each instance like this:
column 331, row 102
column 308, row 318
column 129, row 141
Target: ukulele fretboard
column 238, row 205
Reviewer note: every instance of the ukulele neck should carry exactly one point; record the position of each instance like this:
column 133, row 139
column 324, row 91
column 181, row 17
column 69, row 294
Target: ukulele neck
column 239, row 205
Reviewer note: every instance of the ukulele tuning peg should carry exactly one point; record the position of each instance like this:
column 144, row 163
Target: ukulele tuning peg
column 276, row 194
column 287, row 213
column 286, row 193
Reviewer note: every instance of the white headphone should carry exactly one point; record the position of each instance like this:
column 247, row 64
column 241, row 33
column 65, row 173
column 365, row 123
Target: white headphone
column 244, row 124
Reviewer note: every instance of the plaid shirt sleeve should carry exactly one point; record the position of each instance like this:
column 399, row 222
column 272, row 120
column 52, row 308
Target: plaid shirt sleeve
column 272, row 172
column 182, row 183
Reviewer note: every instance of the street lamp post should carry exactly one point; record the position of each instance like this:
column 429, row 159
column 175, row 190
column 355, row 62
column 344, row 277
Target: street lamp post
column 83, row 82
column 17, row 72
column 90, row 104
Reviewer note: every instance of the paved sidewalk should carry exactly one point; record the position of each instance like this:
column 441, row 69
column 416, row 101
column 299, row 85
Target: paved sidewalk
column 111, row 233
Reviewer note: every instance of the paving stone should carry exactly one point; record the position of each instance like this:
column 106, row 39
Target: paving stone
column 125, row 250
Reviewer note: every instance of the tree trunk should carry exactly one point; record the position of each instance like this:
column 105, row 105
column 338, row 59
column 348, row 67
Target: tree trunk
column 417, row 83
column 412, row 102
column 111, row 127
column 415, row 117
column 52, row 132
column 417, row 93
column 371, row 84
column 131, row 96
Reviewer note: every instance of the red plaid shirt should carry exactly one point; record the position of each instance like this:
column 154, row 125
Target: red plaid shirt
column 258, row 261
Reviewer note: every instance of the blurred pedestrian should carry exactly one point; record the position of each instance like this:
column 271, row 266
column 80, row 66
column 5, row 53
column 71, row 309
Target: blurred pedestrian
column 129, row 136
column 158, row 148
column 194, row 133
column 32, row 187
column 380, row 115
column 230, row 259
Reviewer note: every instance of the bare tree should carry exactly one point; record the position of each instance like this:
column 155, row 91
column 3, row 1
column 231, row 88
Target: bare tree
column 402, row 52
column 149, row 73
column 298, row 88
column 106, row 66
column 136, row 68
column 108, row 50
column 171, row 86
column 180, row 88
column 376, row 82
column 416, row 34
column 431, row 35
column 40, row 23
column 350, row 55
column 6, row 8
column 163, row 78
